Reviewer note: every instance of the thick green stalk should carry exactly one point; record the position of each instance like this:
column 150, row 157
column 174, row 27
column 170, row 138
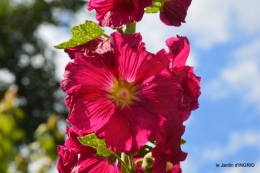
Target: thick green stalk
column 125, row 159
column 128, row 160
column 130, row 28
column 124, row 165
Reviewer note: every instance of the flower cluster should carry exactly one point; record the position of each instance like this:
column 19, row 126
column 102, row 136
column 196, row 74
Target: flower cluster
column 129, row 98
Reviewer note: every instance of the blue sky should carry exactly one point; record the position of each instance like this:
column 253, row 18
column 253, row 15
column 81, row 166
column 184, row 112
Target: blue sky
column 225, row 50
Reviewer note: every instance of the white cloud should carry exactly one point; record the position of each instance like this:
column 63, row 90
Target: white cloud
column 213, row 22
column 192, row 59
column 155, row 33
column 240, row 77
column 208, row 22
column 237, row 141
column 215, row 89
column 246, row 15
column 52, row 36
column 190, row 165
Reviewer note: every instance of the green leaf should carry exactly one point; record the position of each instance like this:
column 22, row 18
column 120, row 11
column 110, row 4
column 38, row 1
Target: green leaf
column 183, row 141
column 155, row 8
column 93, row 141
column 82, row 34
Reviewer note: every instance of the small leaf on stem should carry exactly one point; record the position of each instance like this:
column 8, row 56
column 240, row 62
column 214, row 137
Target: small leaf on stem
column 82, row 34
column 155, row 8
column 93, row 141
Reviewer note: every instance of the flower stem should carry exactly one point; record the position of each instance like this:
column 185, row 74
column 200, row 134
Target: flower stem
column 125, row 159
column 130, row 28
column 138, row 162
column 105, row 35
column 124, row 167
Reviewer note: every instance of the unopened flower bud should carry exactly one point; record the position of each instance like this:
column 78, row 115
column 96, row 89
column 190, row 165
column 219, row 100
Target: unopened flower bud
column 169, row 166
column 147, row 164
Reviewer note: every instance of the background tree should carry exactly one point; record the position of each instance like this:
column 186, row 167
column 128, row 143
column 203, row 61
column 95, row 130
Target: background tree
column 29, row 61
column 20, row 48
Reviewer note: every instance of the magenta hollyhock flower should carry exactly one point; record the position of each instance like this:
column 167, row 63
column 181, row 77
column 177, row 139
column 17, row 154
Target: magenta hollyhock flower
column 174, row 12
column 121, row 92
column 168, row 153
column 179, row 50
column 87, row 48
column 115, row 13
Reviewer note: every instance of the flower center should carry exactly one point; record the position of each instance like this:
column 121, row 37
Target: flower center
column 123, row 93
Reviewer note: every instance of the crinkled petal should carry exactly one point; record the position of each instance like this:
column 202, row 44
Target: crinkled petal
column 115, row 13
column 87, row 48
column 179, row 48
column 68, row 159
column 174, row 12
column 191, row 87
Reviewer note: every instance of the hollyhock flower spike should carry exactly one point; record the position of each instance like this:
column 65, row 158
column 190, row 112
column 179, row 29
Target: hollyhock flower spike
column 174, row 12
column 121, row 92
column 115, row 13
column 168, row 153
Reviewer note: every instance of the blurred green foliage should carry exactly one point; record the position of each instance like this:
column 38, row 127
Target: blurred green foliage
column 16, row 157
column 38, row 89
column 29, row 114
column 10, row 133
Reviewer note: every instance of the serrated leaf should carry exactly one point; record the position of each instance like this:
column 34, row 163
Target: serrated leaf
column 93, row 141
column 82, row 34
column 155, row 8
column 183, row 141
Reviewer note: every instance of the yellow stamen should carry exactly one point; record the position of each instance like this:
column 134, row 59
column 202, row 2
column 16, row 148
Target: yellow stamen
column 123, row 93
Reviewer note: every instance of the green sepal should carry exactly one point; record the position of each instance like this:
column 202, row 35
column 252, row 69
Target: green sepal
column 155, row 8
column 183, row 141
column 93, row 141
column 82, row 34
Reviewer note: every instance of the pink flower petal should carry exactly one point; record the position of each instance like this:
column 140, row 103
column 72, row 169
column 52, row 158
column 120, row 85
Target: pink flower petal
column 179, row 50
column 92, row 164
column 115, row 13
column 135, row 63
column 161, row 92
column 130, row 128
column 87, row 71
column 90, row 116
column 67, row 159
